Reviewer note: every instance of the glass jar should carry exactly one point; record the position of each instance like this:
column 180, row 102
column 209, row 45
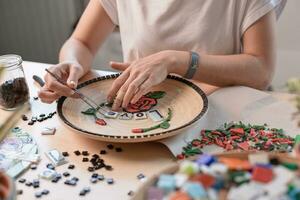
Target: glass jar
column 13, row 87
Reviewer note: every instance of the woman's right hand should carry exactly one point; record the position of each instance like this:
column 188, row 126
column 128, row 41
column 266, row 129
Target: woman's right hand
column 69, row 72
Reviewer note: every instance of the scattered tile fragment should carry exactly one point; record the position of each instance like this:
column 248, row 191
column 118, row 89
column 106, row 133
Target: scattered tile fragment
column 48, row 174
column 141, row 176
column 102, row 152
column 130, row 193
column 110, row 181
column 91, row 169
column 50, row 166
column 56, row 157
column 75, row 179
column 45, row 192
column 84, row 191
column 33, row 166
column 22, row 180
column 77, row 153
column 85, row 153
column 24, row 118
column 101, row 177
column 71, row 166
column 48, row 131
column 70, row 182
column 65, row 154
column 38, row 194
column 36, row 183
column 66, row 174
column 19, row 192
column 93, row 180
column 28, row 183
column 94, row 175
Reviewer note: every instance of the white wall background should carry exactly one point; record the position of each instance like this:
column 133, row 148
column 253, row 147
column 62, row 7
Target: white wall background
column 36, row 29
column 288, row 44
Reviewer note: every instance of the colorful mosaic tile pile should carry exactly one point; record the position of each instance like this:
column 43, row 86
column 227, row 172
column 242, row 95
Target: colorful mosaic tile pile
column 239, row 136
column 208, row 177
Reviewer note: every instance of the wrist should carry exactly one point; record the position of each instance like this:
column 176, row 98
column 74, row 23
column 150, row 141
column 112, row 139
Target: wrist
column 74, row 63
column 178, row 62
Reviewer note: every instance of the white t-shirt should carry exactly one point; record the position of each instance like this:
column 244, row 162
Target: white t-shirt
column 210, row 26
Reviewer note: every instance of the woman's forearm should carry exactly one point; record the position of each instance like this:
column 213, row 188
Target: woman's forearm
column 92, row 30
column 229, row 70
column 75, row 51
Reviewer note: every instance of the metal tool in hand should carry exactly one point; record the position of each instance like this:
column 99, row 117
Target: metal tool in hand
column 83, row 97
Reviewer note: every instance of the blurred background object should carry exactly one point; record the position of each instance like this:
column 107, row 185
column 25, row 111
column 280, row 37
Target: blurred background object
column 36, row 29
column 293, row 86
column 9, row 119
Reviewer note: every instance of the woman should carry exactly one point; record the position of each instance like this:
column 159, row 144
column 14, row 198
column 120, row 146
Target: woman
column 221, row 43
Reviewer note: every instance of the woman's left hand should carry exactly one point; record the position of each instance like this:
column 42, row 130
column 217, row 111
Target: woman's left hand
column 139, row 76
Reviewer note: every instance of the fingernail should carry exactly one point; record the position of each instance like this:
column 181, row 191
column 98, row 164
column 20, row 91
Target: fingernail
column 133, row 101
column 109, row 99
column 114, row 107
column 72, row 84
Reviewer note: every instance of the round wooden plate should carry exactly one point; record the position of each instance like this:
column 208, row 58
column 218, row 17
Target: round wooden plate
column 186, row 100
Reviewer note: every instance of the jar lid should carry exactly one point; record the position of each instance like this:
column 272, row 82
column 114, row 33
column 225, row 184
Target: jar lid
column 10, row 60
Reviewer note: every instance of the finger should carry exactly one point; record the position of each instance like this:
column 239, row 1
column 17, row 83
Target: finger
column 132, row 89
column 123, row 90
column 118, row 100
column 119, row 65
column 60, row 89
column 117, row 84
column 47, row 96
column 142, row 90
column 74, row 74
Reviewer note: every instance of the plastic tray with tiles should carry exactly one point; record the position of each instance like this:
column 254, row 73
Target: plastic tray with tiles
column 187, row 102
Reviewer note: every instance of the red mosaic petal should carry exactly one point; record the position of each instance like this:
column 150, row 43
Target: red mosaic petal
column 100, row 122
column 137, row 130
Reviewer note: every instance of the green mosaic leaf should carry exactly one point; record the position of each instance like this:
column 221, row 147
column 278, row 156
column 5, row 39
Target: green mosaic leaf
column 156, row 94
column 90, row 111
column 164, row 125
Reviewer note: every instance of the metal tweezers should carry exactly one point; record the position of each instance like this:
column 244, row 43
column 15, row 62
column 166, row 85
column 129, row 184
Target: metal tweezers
column 83, row 97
